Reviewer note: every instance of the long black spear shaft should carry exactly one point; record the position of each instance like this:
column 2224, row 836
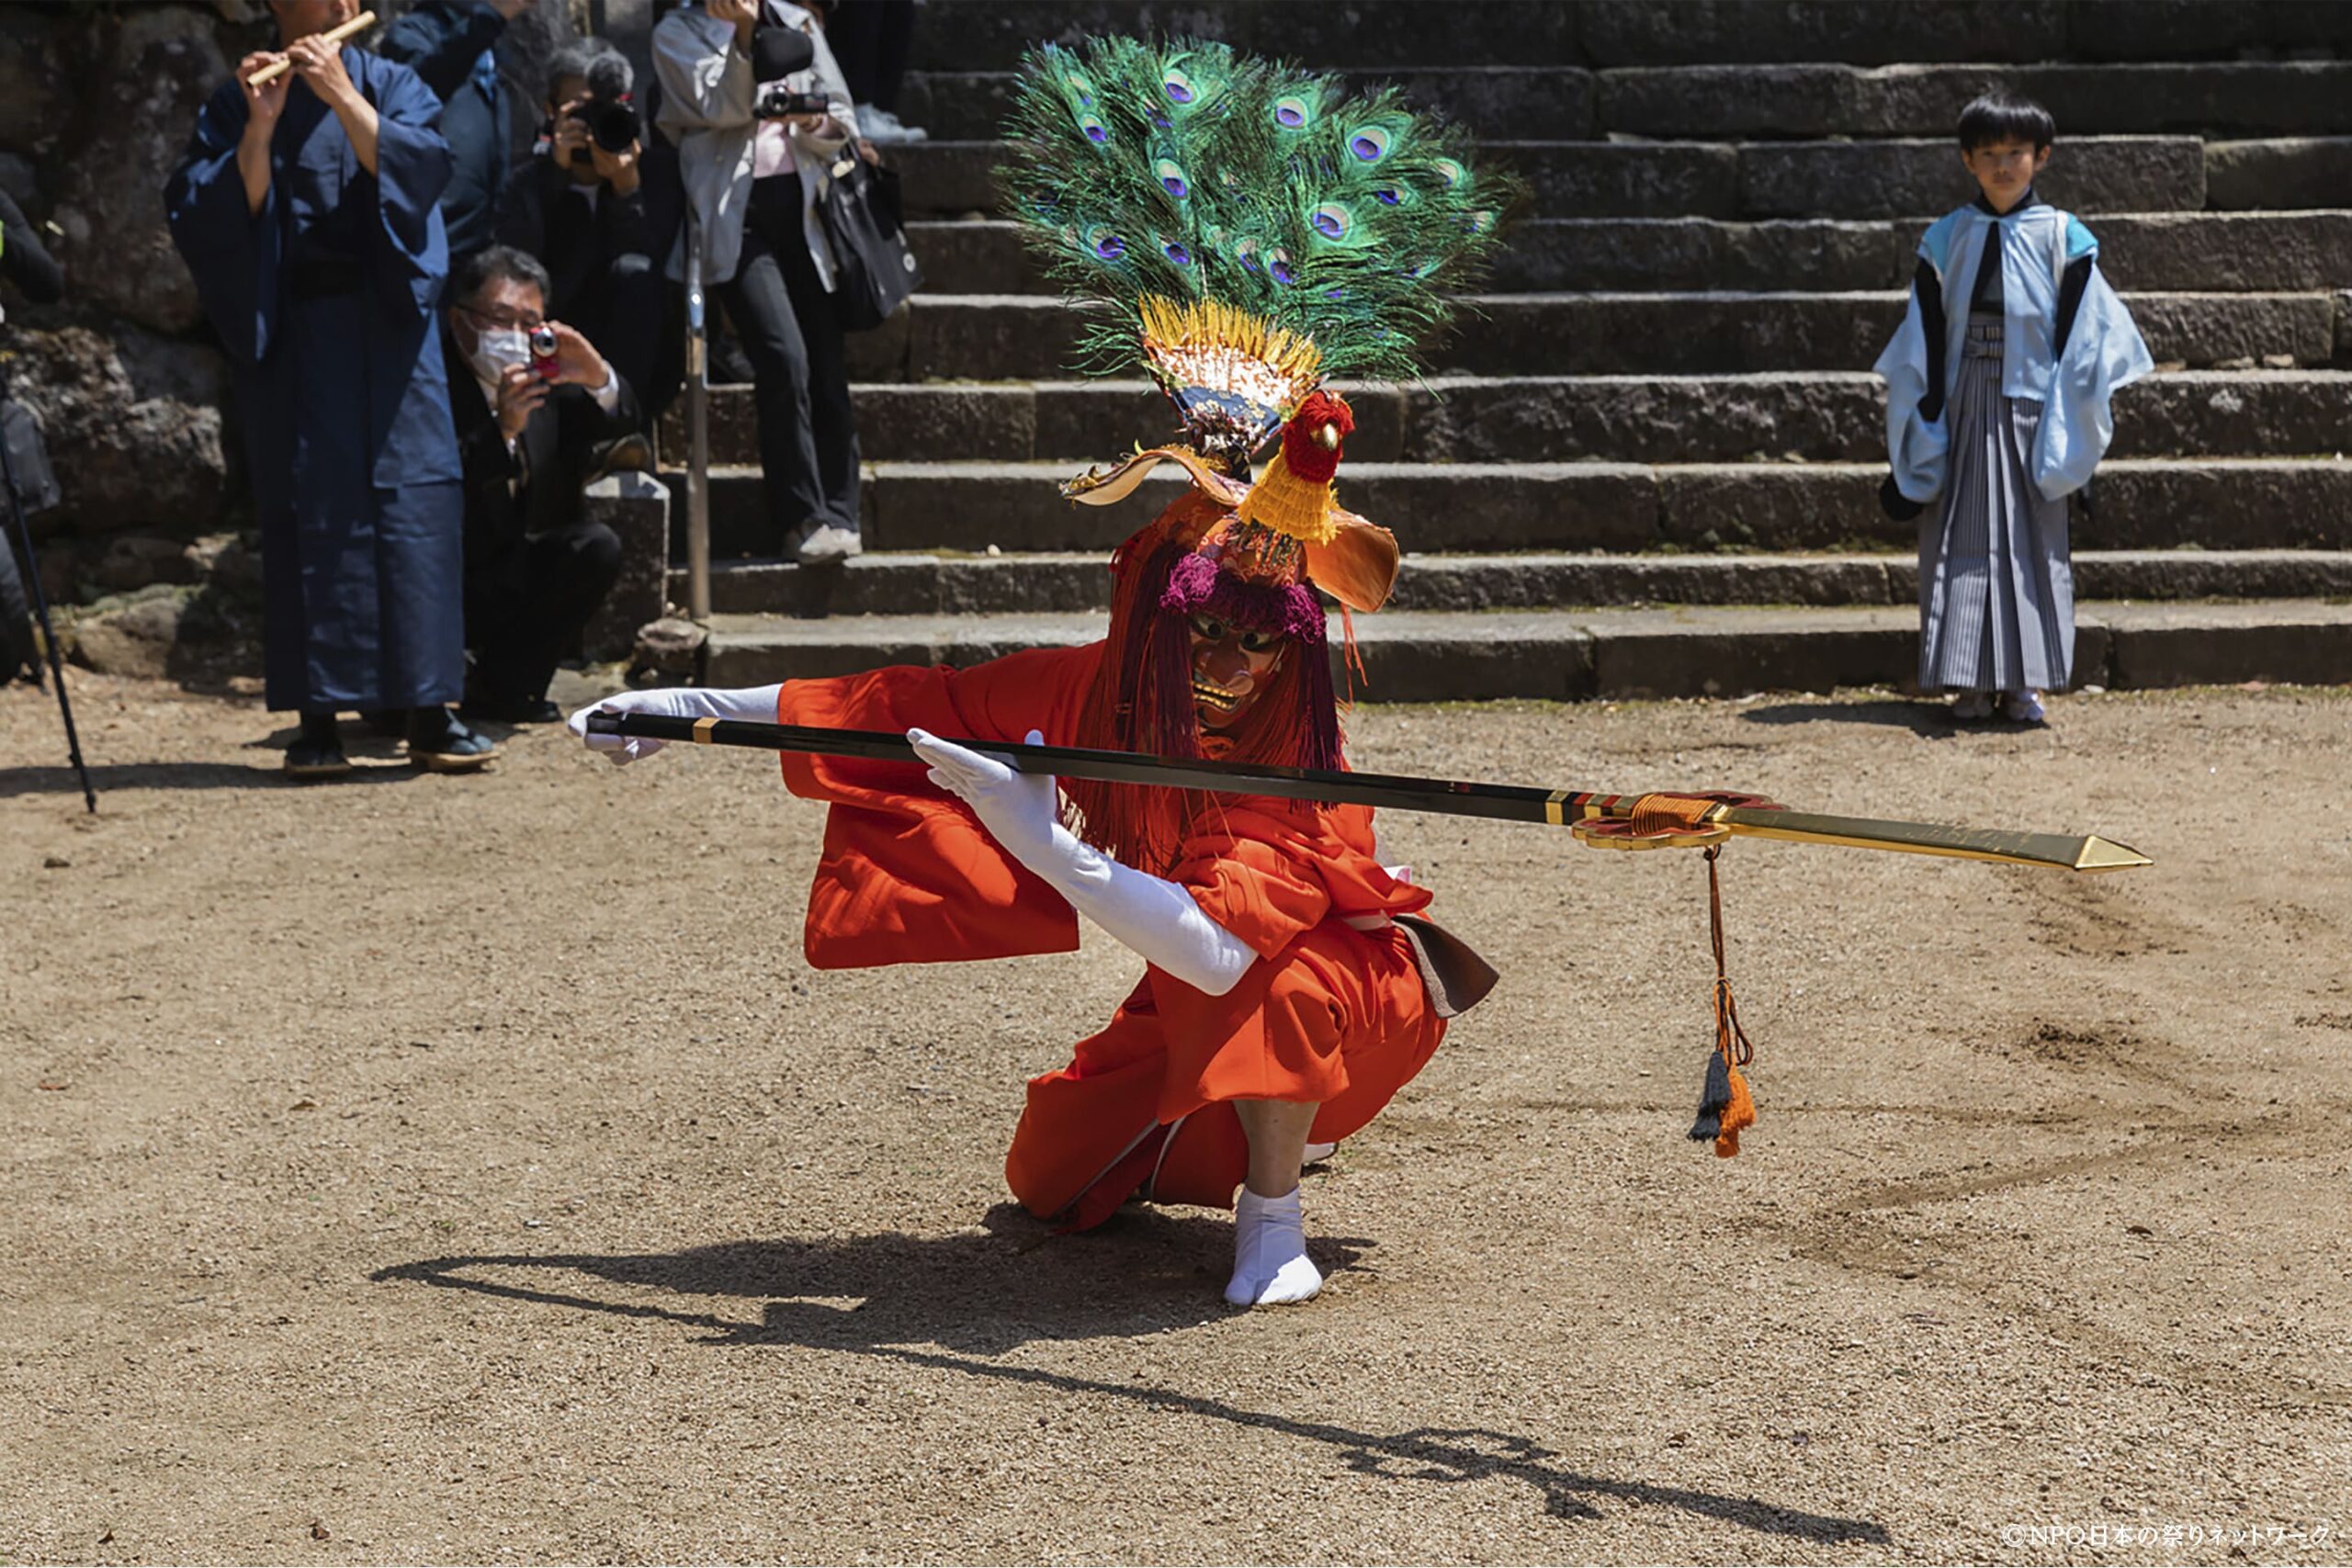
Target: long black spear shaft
column 1510, row 803
column 48, row 633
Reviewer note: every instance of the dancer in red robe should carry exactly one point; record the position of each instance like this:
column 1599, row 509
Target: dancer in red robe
column 1284, row 1000
column 1252, row 233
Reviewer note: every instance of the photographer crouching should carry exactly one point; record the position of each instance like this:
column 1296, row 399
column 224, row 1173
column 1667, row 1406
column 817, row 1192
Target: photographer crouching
column 536, row 407
column 580, row 206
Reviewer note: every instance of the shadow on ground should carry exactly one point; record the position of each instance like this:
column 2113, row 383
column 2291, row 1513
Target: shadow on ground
column 109, row 776
column 1931, row 721
column 976, row 1296
column 376, row 760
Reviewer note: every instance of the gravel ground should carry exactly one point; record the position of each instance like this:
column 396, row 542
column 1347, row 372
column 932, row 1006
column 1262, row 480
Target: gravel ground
column 436, row 1170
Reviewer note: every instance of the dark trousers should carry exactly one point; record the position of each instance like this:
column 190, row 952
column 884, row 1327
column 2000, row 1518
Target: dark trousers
column 615, row 297
column 791, row 335
column 870, row 39
column 622, row 316
column 528, row 608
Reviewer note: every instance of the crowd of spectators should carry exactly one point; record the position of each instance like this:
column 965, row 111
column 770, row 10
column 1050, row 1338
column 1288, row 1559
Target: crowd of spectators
column 439, row 344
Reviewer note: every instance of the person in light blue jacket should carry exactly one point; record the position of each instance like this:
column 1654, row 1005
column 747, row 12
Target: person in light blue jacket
column 1997, row 407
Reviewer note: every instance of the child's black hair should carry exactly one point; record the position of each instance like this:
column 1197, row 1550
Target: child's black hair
column 2006, row 117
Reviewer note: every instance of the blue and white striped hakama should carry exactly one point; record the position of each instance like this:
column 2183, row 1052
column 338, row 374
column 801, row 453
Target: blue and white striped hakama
column 1997, row 583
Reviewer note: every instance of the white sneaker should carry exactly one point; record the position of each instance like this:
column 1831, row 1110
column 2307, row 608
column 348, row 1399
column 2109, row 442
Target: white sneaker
column 829, row 546
column 882, row 127
column 2023, row 707
column 1318, row 1153
column 1969, row 706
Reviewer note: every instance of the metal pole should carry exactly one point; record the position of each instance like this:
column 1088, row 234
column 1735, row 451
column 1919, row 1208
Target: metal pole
column 697, row 431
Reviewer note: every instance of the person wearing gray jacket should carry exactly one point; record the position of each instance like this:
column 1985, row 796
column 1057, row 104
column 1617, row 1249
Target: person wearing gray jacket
column 740, row 83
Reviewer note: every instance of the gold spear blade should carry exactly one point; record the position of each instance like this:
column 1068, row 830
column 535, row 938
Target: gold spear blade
column 2067, row 851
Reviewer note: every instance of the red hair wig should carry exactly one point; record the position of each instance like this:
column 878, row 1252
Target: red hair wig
column 1141, row 699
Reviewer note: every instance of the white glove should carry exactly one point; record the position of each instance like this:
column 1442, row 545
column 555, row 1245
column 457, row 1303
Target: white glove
column 756, row 704
column 1151, row 917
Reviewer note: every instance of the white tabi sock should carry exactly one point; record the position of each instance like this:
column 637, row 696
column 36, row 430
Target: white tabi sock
column 1270, row 1263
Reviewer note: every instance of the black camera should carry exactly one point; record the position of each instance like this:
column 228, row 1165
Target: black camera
column 608, row 108
column 612, row 122
column 777, row 53
column 774, row 101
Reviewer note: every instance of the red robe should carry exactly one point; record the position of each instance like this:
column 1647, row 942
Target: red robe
column 1331, row 1014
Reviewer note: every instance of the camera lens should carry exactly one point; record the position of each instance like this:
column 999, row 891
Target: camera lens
column 613, row 125
column 543, row 342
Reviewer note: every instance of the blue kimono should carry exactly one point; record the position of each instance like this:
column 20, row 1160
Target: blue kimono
column 2072, row 366
column 325, row 300
column 1997, row 407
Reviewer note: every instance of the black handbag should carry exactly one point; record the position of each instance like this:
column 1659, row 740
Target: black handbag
column 33, row 490
column 873, row 269
column 36, row 487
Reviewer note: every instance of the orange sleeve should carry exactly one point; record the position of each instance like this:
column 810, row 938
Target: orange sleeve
column 907, row 876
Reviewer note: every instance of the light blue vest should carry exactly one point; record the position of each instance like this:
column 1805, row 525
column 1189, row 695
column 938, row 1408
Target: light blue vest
column 2103, row 352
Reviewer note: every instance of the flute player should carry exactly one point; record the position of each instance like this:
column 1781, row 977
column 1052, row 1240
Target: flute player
column 306, row 207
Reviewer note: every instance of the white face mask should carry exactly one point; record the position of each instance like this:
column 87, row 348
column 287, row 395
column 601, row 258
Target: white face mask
column 498, row 348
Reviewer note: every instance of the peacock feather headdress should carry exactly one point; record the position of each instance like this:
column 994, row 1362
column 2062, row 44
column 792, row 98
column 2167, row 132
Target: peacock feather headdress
column 1250, row 228
column 1241, row 231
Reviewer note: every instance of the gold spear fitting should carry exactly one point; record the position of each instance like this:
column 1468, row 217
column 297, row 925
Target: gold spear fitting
column 1686, row 821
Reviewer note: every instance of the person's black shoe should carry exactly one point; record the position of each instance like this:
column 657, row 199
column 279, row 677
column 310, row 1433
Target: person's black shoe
column 438, row 741
column 729, row 367
column 630, row 454
column 510, row 710
column 317, row 752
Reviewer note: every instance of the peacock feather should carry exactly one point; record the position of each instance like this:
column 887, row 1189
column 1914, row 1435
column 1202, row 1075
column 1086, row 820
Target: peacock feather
column 1203, row 196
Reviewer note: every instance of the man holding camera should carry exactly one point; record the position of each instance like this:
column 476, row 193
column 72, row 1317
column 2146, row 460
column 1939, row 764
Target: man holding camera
column 535, row 406
column 580, row 206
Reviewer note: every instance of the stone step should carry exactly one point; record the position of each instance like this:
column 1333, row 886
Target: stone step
column 1696, row 335
column 2142, row 503
column 2284, row 172
column 2213, row 252
column 969, row 337
column 1889, row 179
column 2205, row 98
column 1564, row 655
column 981, row 35
column 1809, row 415
column 2194, row 252
column 1828, row 416
column 1788, row 179
column 1635, row 32
column 1057, row 581
column 1509, row 103
column 973, row 35
column 1524, row 103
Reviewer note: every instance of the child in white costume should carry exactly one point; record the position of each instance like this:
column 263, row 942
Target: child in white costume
column 1998, row 389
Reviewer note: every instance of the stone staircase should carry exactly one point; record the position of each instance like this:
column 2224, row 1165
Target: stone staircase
column 1648, row 465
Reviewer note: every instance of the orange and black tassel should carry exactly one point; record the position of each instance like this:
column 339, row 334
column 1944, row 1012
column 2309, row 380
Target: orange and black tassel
column 1725, row 1107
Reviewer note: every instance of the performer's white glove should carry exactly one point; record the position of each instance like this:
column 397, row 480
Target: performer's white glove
column 1154, row 917
column 756, row 704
